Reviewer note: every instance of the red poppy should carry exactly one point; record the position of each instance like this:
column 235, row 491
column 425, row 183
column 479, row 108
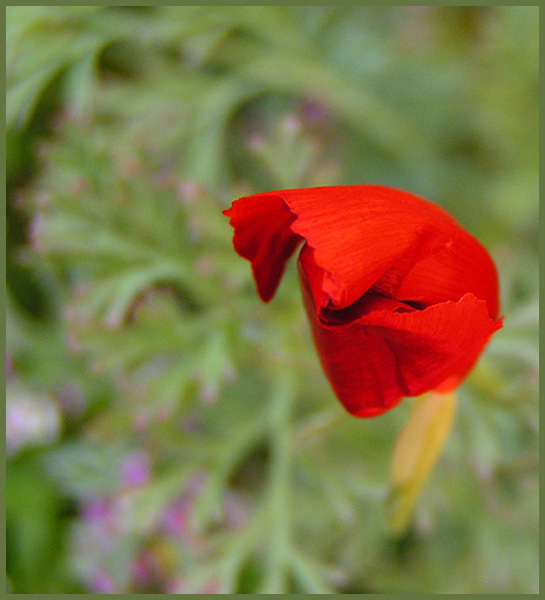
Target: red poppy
column 401, row 299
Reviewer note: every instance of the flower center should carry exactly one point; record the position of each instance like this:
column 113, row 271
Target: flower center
column 371, row 301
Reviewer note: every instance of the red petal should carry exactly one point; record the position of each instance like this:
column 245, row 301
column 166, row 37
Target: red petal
column 360, row 233
column 386, row 353
column 464, row 266
column 363, row 236
column 263, row 235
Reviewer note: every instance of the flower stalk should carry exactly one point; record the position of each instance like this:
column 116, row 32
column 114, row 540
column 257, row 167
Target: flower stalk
column 417, row 450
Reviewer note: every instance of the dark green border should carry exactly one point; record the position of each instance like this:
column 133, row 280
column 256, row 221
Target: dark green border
column 3, row 298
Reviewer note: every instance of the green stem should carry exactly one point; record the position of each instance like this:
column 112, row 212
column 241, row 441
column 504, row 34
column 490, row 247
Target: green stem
column 279, row 496
column 314, row 428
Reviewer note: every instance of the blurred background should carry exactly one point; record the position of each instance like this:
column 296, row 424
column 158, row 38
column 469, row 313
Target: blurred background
column 166, row 431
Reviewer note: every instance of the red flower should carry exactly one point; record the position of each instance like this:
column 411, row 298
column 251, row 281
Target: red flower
column 401, row 299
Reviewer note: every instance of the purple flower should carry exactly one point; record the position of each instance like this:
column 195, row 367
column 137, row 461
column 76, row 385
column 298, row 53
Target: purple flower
column 315, row 112
column 97, row 509
column 175, row 519
column 144, row 569
column 103, row 584
column 136, row 470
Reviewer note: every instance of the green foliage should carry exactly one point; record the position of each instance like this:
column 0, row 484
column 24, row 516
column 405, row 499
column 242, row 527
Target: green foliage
column 198, row 447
